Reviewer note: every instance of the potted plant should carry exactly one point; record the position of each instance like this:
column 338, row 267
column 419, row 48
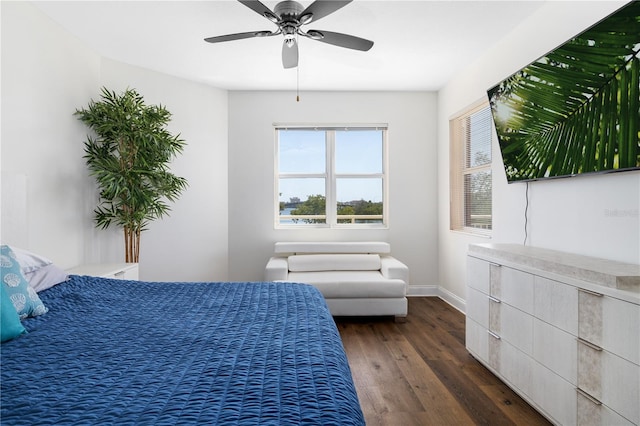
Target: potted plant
column 129, row 158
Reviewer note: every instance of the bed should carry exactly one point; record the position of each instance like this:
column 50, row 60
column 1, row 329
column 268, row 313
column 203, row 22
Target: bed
column 131, row 352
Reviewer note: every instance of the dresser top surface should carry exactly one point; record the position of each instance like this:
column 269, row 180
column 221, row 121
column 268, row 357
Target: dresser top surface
column 610, row 273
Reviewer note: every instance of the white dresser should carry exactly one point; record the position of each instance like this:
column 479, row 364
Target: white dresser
column 562, row 330
column 121, row 271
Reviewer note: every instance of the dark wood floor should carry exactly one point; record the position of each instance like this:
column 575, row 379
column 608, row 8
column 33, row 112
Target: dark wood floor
column 419, row 372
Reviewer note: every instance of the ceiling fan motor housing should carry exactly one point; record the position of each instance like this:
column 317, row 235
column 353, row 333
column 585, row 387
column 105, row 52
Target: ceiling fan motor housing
column 288, row 11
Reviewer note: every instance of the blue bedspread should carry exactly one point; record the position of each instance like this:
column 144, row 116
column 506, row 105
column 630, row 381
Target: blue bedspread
column 129, row 352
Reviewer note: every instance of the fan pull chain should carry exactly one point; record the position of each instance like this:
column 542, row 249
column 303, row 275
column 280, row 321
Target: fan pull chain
column 298, row 83
column 297, row 76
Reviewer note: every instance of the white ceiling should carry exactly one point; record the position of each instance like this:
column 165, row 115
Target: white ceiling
column 419, row 45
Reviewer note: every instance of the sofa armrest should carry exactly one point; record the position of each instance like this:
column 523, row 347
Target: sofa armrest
column 277, row 269
column 392, row 268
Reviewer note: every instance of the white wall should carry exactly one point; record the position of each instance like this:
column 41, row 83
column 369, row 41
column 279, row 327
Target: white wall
column 46, row 75
column 412, row 175
column 593, row 215
column 190, row 244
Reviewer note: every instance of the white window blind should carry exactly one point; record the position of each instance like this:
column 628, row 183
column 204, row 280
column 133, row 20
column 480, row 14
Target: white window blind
column 470, row 164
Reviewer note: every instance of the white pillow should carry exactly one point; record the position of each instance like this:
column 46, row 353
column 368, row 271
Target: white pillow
column 28, row 261
column 334, row 262
column 45, row 277
column 39, row 271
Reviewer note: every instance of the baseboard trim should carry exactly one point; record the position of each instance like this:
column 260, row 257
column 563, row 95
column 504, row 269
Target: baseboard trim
column 422, row 290
column 452, row 299
column 434, row 291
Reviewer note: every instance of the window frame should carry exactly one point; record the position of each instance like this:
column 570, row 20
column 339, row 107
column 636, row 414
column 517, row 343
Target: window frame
column 331, row 176
column 459, row 144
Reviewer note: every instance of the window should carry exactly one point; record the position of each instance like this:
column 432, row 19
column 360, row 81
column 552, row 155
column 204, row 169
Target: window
column 470, row 183
column 331, row 176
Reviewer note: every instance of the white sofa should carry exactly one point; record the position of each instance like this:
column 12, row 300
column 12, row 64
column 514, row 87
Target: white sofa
column 355, row 278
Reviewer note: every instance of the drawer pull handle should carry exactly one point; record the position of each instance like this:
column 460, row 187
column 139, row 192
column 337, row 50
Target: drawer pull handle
column 494, row 335
column 493, row 299
column 589, row 397
column 591, row 292
column 589, row 344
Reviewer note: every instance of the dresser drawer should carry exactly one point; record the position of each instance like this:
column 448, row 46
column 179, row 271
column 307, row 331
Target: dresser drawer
column 516, row 327
column 593, row 413
column 478, row 307
column 477, row 340
column 514, row 365
column 510, row 363
column 557, row 350
column 478, row 274
column 612, row 380
column 517, row 289
column 556, row 303
column 554, row 395
column 610, row 323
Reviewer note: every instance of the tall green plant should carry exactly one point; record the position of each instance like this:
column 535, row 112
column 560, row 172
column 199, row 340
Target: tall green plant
column 129, row 158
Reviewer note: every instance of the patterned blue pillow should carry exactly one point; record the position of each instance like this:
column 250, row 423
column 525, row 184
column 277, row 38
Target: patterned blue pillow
column 10, row 325
column 24, row 298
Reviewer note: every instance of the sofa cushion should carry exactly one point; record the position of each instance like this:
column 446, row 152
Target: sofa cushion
column 332, row 247
column 334, row 262
column 351, row 284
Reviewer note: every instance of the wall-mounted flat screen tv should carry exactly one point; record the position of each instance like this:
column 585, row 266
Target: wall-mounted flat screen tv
column 577, row 109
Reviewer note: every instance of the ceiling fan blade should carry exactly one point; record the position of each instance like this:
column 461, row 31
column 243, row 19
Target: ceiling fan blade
column 260, row 9
column 321, row 8
column 342, row 40
column 290, row 54
column 239, row 36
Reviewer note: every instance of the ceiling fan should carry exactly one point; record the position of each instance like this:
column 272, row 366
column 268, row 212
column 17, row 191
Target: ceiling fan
column 289, row 16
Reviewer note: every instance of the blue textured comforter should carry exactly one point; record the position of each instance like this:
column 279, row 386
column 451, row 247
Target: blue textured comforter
column 129, row 352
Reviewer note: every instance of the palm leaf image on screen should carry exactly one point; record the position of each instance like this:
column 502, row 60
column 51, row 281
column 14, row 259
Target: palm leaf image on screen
column 577, row 109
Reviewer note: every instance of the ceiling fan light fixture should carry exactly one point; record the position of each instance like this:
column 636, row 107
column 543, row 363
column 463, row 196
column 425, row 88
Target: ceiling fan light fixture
column 290, row 40
column 289, row 32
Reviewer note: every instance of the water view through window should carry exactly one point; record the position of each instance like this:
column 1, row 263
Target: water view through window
column 331, row 176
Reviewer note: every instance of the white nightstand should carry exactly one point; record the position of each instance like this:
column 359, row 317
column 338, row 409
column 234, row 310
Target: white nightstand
column 120, row 271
